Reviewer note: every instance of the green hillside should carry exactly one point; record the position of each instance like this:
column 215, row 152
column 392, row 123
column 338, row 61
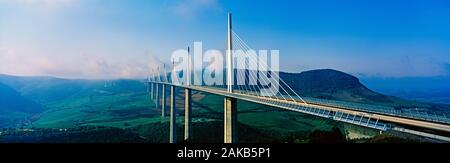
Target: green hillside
column 125, row 105
column 14, row 108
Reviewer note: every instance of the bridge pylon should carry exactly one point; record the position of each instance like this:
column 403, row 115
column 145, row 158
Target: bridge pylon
column 230, row 104
column 229, row 59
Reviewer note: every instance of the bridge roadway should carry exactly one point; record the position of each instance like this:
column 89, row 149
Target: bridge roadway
column 357, row 117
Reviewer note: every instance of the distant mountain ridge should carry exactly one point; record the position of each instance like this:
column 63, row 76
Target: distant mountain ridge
column 336, row 85
column 322, row 83
column 24, row 97
column 50, row 89
column 331, row 84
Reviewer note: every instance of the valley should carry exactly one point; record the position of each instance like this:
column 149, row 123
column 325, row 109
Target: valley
column 78, row 107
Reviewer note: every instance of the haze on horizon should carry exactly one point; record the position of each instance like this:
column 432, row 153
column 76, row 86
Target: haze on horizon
column 123, row 39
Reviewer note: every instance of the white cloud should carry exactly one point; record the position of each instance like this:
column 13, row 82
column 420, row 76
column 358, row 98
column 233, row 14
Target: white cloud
column 32, row 63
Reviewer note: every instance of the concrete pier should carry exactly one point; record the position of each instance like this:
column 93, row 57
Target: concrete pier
column 157, row 100
column 151, row 91
column 173, row 116
column 230, row 120
column 163, row 101
column 187, row 114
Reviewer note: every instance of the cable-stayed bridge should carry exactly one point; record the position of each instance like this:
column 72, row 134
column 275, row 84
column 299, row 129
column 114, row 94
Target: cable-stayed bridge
column 248, row 80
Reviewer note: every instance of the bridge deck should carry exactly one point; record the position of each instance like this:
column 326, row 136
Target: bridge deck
column 322, row 109
column 353, row 116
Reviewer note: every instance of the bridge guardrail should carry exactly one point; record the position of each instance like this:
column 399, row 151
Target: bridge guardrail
column 407, row 113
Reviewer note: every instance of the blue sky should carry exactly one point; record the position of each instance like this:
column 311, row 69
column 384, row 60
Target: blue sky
column 121, row 39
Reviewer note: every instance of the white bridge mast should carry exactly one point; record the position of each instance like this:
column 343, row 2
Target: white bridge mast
column 229, row 57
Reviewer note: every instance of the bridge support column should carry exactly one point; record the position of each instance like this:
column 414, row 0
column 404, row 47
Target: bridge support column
column 151, row 91
column 157, row 96
column 163, row 101
column 187, row 115
column 173, row 118
column 230, row 120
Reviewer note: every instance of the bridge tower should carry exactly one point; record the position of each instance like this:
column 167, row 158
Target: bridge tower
column 229, row 59
column 230, row 104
